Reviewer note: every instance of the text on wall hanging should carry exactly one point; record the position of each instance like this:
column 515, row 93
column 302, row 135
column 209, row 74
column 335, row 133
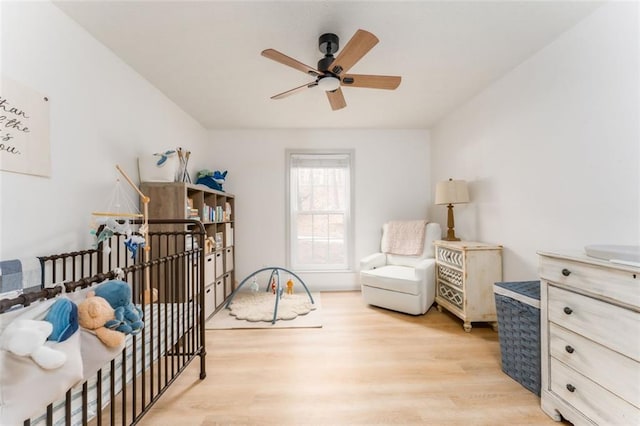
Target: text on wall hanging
column 24, row 130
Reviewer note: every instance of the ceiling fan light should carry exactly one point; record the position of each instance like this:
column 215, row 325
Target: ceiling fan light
column 329, row 83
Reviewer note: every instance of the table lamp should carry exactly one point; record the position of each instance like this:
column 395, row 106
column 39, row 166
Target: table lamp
column 451, row 192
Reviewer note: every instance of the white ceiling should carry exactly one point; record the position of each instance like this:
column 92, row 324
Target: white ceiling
column 205, row 55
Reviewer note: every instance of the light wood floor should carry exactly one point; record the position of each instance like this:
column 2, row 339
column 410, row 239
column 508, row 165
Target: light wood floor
column 365, row 366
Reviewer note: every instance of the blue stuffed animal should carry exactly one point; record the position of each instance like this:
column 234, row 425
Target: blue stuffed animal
column 63, row 316
column 213, row 180
column 128, row 316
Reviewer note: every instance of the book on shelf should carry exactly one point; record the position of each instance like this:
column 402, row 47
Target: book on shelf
column 193, row 214
column 214, row 214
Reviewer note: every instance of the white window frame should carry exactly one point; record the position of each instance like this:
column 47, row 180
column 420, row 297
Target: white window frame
column 291, row 234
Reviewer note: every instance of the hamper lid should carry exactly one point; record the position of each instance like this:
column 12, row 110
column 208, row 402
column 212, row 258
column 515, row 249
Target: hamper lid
column 524, row 291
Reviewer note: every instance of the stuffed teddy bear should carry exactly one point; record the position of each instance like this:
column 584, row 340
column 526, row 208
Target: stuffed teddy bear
column 93, row 313
column 27, row 337
column 213, row 180
column 128, row 317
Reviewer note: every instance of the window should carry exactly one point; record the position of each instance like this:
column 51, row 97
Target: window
column 319, row 207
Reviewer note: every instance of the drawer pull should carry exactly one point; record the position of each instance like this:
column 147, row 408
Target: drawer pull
column 566, row 272
column 570, row 387
column 568, row 310
column 569, row 349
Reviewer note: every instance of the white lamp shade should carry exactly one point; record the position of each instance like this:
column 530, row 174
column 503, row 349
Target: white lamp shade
column 452, row 192
column 329, row 83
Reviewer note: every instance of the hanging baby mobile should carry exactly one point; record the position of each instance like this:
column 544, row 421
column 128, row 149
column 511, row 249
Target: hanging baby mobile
column 117, row 219
column 118, row 216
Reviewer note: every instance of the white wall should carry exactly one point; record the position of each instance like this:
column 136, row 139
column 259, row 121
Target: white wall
column 102, row 113
column 551, row 150
column 391, row 182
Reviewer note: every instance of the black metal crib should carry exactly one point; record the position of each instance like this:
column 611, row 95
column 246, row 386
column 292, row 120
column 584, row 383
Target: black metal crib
column 124, row 389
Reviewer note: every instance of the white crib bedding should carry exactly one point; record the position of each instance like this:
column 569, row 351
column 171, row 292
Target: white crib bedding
column 21, row 377
column 152, row 340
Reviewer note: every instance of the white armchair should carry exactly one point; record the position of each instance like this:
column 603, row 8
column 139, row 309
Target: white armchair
column 401, row 283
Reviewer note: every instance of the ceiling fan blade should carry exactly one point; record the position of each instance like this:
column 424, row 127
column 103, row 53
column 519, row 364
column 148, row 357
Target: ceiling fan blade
column 336, row 99
column 296, row 90
column 286, row 60
column 361, row 42
column 387, row 82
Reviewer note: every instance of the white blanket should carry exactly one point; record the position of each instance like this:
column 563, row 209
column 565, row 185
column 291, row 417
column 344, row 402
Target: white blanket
column 404, row 237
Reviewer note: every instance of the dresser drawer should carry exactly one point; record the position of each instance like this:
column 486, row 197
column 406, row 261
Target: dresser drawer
column 595, row 402
column 613, row 284
column 451, row 276
column 621, row 375
column 450, row 294
column 450, row 257
column 604, row 323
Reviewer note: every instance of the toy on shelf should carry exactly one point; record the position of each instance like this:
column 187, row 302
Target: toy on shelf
column 210, row 244
column 227, row 212
column 213, row 180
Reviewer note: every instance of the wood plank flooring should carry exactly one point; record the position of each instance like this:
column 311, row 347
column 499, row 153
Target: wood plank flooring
column 365, row 366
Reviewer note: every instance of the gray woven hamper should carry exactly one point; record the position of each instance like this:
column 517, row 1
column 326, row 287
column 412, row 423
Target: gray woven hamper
column 518, row 311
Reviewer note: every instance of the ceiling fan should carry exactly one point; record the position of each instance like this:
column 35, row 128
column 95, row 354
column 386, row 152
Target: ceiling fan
column 331, row 73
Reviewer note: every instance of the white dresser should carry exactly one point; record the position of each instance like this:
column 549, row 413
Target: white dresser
column 590, row 340
column 465, row 274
